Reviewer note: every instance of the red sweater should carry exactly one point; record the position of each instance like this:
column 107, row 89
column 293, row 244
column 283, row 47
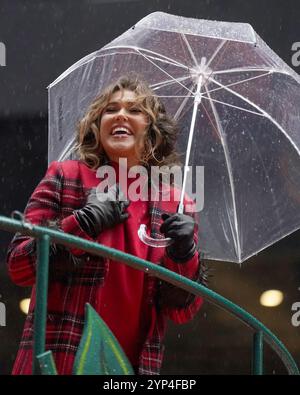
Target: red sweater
column 121, row 301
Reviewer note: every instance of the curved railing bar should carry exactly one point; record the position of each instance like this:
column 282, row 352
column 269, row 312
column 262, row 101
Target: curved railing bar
column 12, row 225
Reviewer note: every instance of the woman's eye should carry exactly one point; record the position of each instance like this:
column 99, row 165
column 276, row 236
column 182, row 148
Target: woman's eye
column 135, row 109
column 110, row 109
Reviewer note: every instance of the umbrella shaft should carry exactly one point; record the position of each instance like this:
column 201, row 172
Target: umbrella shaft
column 197, row 100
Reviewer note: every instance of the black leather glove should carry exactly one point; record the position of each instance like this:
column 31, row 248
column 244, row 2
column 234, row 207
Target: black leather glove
column 98, row 215
column 180, row 228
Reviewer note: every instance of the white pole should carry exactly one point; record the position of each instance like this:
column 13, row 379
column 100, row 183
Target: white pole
column 197, row 100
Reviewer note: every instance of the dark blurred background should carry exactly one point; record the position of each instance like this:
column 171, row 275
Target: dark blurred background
column 42, row 39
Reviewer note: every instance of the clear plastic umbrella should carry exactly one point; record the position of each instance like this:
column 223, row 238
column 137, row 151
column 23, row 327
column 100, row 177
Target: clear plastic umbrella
column 238, row 107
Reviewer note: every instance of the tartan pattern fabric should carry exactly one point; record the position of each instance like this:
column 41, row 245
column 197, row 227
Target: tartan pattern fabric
column 74, row 282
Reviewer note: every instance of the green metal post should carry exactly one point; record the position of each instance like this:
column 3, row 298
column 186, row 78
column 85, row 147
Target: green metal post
column 41, row 299
column 257, row 357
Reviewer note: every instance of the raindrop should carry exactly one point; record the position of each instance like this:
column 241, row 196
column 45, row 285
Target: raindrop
column 212, row 149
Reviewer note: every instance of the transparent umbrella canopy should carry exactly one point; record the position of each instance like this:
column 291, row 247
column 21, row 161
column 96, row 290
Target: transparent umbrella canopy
column 238, row 109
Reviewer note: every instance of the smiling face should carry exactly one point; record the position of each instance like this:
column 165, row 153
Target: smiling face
column 123, row 127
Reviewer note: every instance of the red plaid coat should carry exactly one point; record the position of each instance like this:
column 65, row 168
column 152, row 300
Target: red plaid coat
column 75, row 277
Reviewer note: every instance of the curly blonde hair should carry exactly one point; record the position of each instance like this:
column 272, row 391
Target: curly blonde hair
column 159, row 144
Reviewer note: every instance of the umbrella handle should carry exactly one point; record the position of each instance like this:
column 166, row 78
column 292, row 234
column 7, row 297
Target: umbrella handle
column 150, row 241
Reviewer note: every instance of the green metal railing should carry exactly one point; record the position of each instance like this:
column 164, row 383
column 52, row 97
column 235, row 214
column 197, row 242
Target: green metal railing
column 46, row 235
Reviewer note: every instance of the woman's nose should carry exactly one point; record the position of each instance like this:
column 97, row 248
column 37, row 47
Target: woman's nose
column 121, row 115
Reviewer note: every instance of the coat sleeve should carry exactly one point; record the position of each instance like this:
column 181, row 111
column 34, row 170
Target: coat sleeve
column 43, row 207
column 179, row 305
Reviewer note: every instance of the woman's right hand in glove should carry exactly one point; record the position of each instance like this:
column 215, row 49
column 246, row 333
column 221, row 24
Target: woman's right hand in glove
column 103, row 211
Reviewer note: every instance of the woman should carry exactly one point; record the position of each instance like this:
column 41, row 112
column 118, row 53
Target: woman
column 126, row 121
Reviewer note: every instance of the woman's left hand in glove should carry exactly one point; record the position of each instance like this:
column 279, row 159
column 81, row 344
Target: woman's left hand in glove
column 180, row 228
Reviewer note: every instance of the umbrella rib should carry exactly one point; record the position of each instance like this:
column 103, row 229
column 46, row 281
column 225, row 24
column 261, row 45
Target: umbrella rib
column 189, row 48
column 241, row 81
column 164, row 71
column 165, row 83
column 166, row 61
column 181, row 107
column 157, row 55
column 231, row 105
column 67, row 148
column 163, row 57
column 221, row 45
column 249, row 69
column 228, row 163
column 179, row 96
column 264, row 113
column 210, row 120
column 136, row 50
column 216, row 52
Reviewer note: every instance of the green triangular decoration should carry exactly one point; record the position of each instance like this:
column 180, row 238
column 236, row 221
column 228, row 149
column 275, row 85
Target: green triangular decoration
column 47, row 364
column 99, row 352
